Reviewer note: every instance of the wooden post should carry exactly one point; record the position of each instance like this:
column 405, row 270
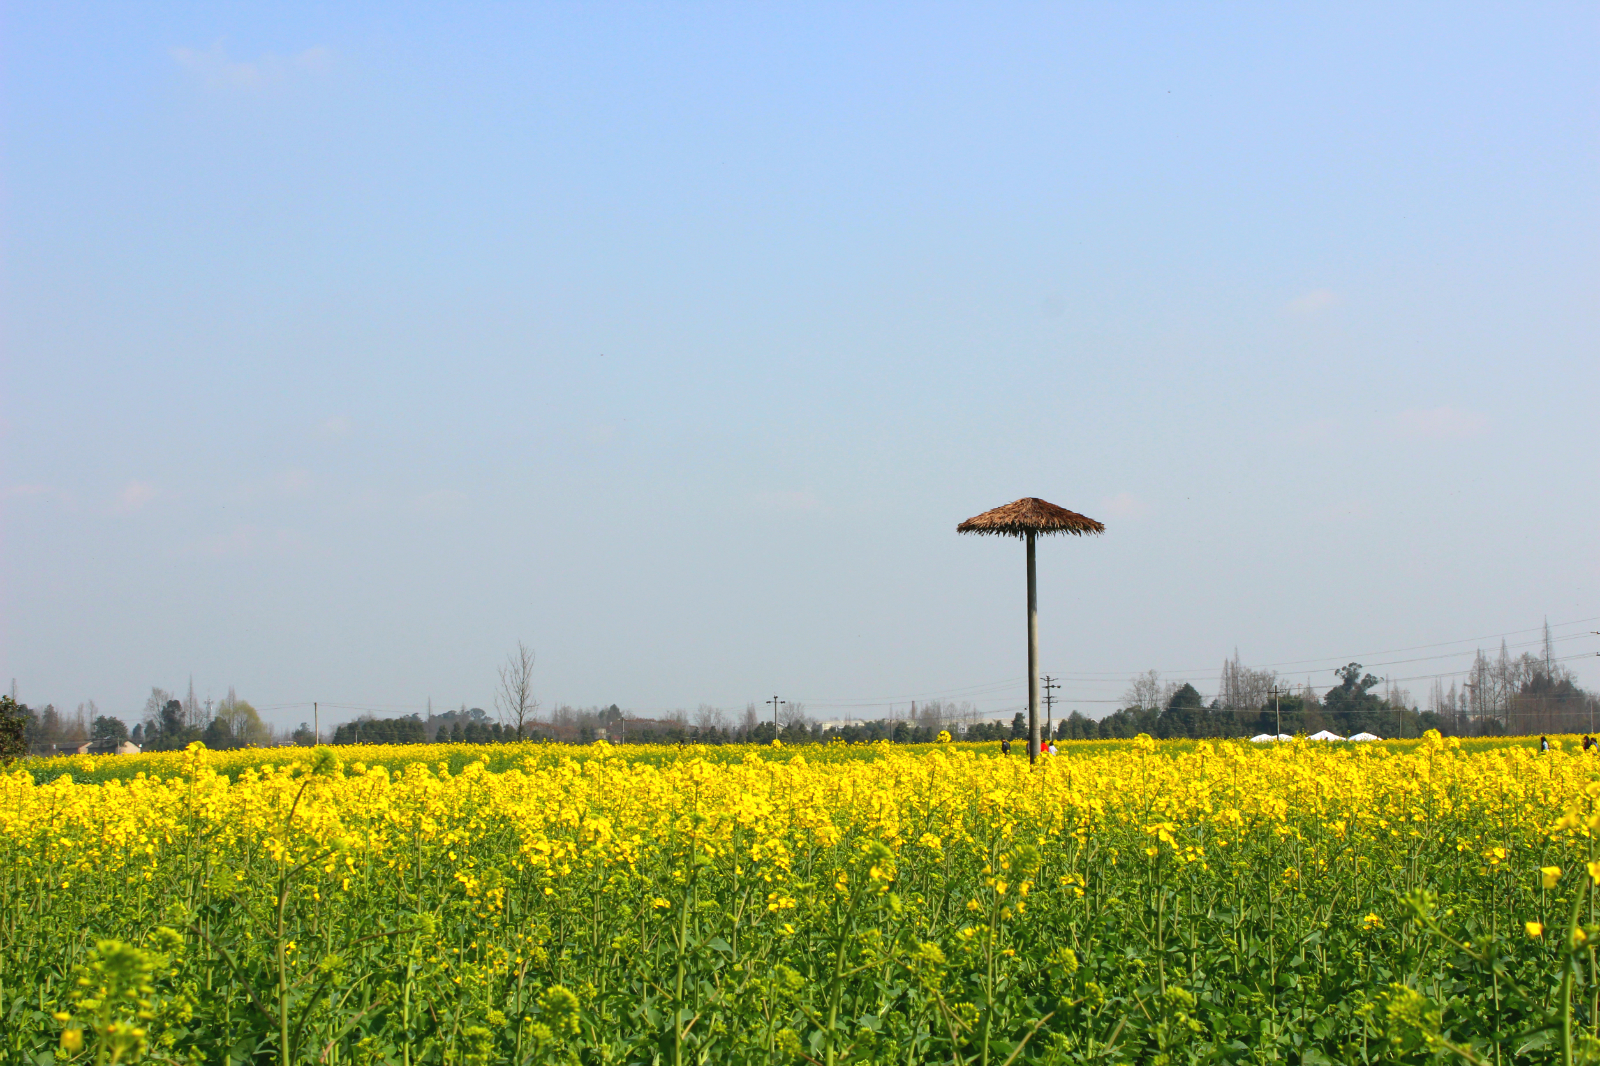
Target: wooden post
column 1033, row 657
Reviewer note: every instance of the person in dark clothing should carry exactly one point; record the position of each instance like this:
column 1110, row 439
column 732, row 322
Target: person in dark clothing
column 1005, row 746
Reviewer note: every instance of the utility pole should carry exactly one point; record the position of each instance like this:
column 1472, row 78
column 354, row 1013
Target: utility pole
column 1399, row 717
column 1049, row 687
column 1590, row 701
column 776, row 703
column 1277, row 711
column 1033, row 657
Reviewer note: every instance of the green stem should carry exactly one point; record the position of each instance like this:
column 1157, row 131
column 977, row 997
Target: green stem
column 1569, row 968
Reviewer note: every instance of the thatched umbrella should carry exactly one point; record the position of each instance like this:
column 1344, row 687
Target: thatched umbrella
column 1028, row 518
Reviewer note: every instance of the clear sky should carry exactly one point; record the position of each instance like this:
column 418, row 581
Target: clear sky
column 346, row 345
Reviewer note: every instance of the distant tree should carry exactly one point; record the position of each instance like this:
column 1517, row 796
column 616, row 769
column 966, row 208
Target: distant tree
column 1131, row 721
column 193, row 711
column 1353, row 693
column 43, row 728
column 1077, row 727
column 1241, row 688
column 1144, row 691
column 172, row 719
column 514, row 698
column 153, row 706
column 109, row 729
column 406, row 730
column 13, row 730
column 1019, row 725
column 304, row 736
column 244, row 724
column 1180, row 717
column 1187, row 698
column 217, row 736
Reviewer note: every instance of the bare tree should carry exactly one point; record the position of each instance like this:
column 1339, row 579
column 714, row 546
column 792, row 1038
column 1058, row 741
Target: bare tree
column 193, row 713
column 751, row 719
column 707, row 718
column 515, row 697
column 77, row 727
column 1245, row 689
column 159, row 698
column 1145, row 691
column 793, row 714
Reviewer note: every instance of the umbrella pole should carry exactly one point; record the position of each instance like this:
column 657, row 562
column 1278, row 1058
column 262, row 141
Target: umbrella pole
column 1033, row 657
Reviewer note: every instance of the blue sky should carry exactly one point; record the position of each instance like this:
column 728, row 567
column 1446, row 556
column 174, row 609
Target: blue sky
column 346, row 346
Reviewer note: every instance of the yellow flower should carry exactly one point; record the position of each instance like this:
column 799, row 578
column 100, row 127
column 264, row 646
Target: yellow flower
column 1372, row 921
column 1549, row 875
column 72, row 1041
column 1534, row 929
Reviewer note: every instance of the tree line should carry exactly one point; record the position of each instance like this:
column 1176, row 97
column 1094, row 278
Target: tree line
column 168, row 724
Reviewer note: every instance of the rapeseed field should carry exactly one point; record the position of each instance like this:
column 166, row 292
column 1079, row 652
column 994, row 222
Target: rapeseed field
column 1125, row 902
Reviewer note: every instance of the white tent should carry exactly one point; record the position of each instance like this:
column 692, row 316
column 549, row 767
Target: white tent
column 1364, row 736
column 1284, row 736
column 1323, row 734
column 1262, row 738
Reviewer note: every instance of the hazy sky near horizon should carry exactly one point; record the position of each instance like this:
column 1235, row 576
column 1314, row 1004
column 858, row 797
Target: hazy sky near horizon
column 344, row 346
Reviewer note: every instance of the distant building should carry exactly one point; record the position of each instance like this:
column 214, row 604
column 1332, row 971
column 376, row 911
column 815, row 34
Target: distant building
column 107, row 747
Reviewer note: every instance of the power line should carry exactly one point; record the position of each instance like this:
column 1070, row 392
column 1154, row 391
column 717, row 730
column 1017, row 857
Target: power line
column 1417, row 677
column 1207, row 674
column 1096, row 700
column 1110, row 677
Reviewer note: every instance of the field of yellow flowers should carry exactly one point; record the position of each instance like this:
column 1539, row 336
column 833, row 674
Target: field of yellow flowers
column 1126, row 902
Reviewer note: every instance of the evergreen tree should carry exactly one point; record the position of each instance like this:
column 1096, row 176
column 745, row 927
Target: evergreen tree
column 13, row 730
column 109, row 729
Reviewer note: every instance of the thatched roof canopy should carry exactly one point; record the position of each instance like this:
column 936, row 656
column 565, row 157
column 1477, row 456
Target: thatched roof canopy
column 1030, row 515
